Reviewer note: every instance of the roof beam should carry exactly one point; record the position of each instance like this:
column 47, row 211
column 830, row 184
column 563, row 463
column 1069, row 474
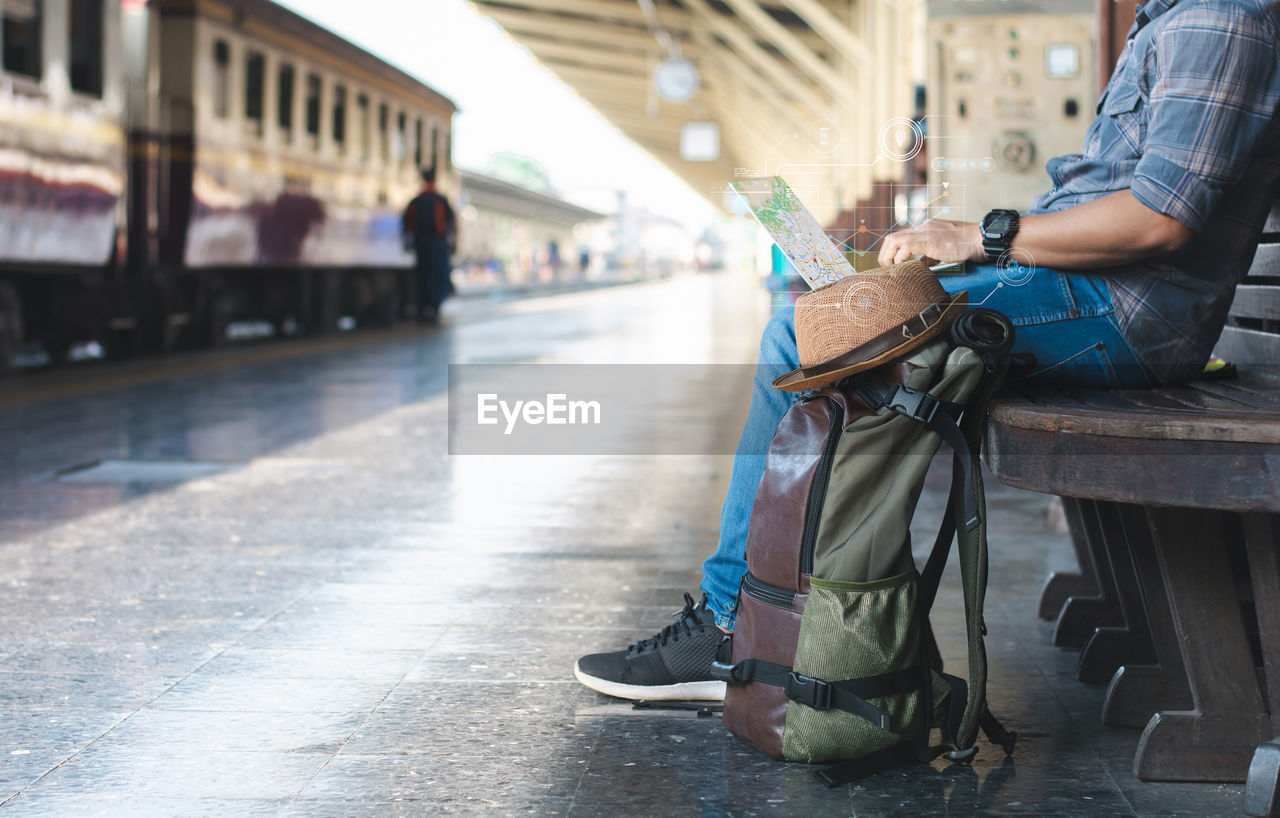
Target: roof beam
column 833, row 30
column 734, row 70
column 574, row 74
column 777, row 115
column 520, row 22
column 790, row 45
column 769, row 66
column 757, row 137
column 623, row 11
column 559, row 52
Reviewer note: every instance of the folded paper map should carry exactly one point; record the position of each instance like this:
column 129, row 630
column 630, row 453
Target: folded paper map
column 794, row 229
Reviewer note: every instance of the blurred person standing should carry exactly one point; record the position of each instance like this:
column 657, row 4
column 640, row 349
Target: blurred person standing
column 431, row 230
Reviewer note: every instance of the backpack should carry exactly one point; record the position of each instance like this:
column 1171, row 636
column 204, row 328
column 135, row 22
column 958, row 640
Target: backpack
column 832, row 657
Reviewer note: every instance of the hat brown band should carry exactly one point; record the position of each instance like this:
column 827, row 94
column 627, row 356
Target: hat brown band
column 879, row 345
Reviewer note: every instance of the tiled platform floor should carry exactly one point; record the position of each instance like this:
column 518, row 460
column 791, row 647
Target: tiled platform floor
column 351, row 623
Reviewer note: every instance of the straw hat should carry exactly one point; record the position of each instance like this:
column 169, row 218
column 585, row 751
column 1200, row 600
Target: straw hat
column 868, row 319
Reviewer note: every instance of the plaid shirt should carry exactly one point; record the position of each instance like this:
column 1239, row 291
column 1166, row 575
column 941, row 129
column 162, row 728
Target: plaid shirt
column 1190, row 124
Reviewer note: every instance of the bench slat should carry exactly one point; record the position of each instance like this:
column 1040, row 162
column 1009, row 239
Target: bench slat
column 1237, row 394
column 1256, row 301
column 1239, row 425
column 1242, row 392
column 1251, row 347
column 1182, row 399
column 1273, row 219
column 1185, row 473
column 1266, row 261
column 1100, row 398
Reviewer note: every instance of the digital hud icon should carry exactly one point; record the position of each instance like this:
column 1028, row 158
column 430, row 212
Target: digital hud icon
column 794, row 229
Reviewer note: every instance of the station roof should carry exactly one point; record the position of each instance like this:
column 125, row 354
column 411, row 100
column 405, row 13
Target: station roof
column 788, row 82
column 485, row 191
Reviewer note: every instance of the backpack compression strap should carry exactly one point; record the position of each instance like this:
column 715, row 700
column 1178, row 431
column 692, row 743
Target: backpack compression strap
column 849, row 695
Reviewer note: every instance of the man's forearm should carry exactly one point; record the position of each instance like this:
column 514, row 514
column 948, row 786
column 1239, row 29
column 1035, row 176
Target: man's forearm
column 1115, row 229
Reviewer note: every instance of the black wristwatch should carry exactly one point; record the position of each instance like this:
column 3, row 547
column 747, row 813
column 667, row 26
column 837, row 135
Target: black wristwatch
column 998, row 229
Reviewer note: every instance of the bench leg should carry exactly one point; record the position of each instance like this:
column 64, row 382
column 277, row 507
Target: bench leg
column 1111, row 646
column 1062, row 585
column 1138, row 691
column 1262, row 542
column 1215, row 740
column 1262, row 792
column 1082, row 615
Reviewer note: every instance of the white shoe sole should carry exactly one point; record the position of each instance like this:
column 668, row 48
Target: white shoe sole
column 683, row 691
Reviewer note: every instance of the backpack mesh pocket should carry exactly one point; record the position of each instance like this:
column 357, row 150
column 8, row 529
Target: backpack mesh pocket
column 855, row 630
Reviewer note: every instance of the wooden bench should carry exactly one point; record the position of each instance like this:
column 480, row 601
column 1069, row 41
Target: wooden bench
column 1173, row 499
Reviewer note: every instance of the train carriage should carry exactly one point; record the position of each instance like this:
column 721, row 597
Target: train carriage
column 62, row 165
column 179, row 172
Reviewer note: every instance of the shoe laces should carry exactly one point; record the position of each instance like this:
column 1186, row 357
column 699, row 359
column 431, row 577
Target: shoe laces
column 687, row 621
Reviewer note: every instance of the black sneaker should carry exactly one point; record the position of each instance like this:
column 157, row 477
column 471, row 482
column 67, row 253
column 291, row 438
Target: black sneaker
column 673, row 664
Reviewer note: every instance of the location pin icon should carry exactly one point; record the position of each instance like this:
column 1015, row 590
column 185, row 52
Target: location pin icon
column 901, row 137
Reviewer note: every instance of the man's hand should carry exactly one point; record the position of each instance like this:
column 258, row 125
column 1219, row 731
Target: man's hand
column 938, row 239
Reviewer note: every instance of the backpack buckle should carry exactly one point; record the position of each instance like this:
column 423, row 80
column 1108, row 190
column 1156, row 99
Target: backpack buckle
column 726, row 672
column 808, row 691
column 913, row 403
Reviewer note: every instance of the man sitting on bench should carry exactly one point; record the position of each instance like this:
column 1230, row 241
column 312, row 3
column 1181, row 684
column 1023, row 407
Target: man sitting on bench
column 1126, row 270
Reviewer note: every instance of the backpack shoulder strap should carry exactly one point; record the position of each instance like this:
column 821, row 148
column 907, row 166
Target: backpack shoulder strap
column 971, row 542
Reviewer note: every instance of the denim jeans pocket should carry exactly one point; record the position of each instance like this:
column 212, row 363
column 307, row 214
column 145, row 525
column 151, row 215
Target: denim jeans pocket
column 1089, row 366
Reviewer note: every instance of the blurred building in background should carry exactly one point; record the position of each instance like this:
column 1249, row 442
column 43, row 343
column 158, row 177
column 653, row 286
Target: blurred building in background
column 509, row 234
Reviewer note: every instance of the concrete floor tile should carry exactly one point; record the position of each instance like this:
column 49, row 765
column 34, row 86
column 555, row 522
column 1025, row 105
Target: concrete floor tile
column 414, row 807
column 501, row 738
column 339, row 635
column 187, row 775
column 320, row 663
column 438, row 782
column 109, row 805
column 79, row 690
column 159, row 656
column 239, row 694
column 185, row 731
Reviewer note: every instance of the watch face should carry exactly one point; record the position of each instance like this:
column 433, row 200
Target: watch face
column 996, row 226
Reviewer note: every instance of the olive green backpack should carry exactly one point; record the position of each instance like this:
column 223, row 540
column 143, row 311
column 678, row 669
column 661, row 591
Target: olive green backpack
column 832, row 658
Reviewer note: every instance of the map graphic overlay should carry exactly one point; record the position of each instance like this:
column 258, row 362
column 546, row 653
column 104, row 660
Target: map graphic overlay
column 793, row 229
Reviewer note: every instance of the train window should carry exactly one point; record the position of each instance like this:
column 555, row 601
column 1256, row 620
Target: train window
column 255, row 65
column 313, row 110
column 22, row 54
column 402, row 138
column 284, row 101
column 384, row 125
column 362, row 124
column 221, row 79
column 340, row 118
column 417, row 143
column 85, row 35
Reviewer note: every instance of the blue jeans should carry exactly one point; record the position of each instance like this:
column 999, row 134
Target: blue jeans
column 1066, row 335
